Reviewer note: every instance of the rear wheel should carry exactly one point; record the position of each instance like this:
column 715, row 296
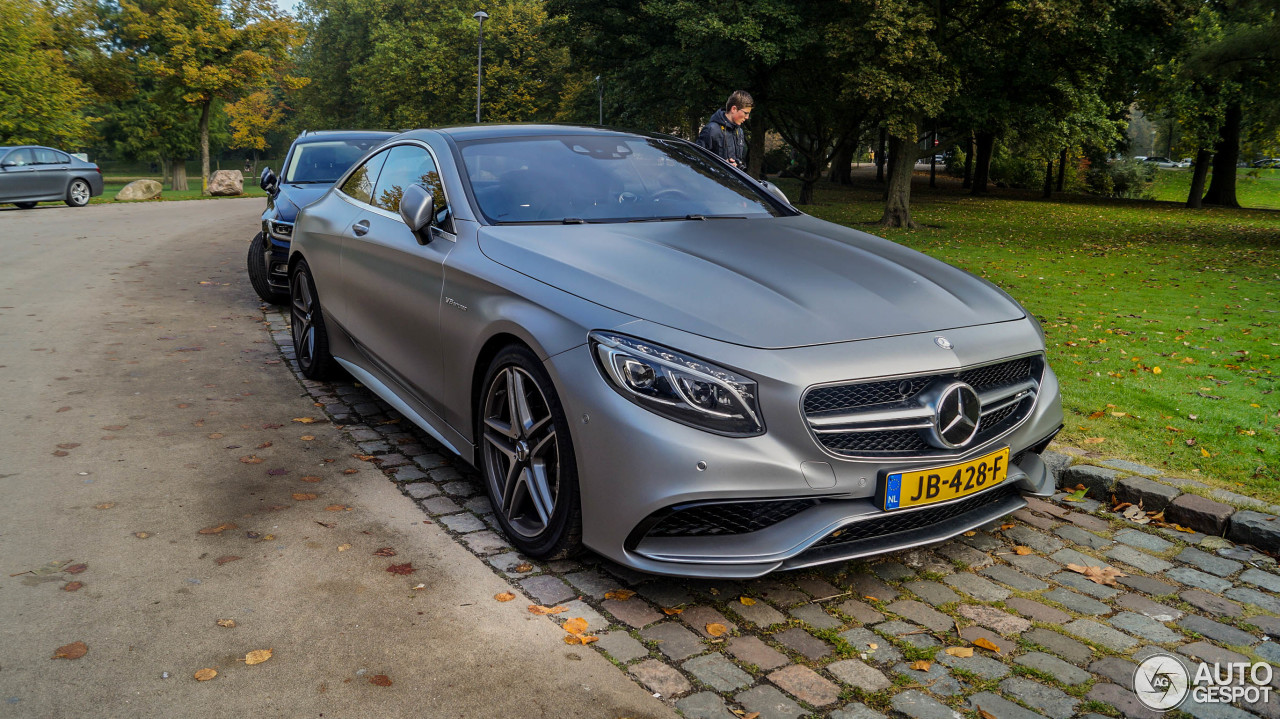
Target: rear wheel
column 24, row 205
column 256, row 263
column 310, row 337
column 527, row 457
column 78, row 193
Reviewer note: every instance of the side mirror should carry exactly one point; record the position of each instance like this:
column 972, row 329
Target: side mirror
column 417, row 209
column 267, row 181
column 773, row 190
column 8, row 163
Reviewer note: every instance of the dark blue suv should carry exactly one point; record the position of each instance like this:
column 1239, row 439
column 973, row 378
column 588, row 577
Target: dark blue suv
column 315, row 161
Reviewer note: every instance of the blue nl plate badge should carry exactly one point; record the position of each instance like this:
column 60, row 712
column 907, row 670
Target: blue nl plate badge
column 892, row 490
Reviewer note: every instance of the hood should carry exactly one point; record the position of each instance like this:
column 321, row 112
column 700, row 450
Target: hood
column 767, row 283
column 722, row 118
column 294, row 197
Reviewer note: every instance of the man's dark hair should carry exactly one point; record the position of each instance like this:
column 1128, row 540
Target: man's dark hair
column 740, row 99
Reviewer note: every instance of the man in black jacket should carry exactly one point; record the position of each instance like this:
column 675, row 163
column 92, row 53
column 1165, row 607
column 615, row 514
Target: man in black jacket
column 723, row 132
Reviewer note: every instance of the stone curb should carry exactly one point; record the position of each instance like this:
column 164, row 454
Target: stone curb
column 1239, row 518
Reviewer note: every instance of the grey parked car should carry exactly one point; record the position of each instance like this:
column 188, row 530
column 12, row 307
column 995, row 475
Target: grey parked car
column 646, row 352
column 31, row 174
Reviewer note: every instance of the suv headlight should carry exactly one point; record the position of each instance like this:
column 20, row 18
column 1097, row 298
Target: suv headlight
column 677, row 386
column 283, row 230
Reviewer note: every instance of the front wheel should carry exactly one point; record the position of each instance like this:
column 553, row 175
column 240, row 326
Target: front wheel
column 310, row 336
column 527, row 457
column 78, row 193
column 256, row 263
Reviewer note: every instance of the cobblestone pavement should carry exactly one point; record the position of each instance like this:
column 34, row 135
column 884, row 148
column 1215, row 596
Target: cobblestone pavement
column 862, row 640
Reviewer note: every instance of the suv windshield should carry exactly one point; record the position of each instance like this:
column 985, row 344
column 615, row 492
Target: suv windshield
column 594, row 178
column 324, row 161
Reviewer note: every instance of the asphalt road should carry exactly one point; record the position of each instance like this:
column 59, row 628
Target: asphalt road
column 138, row 390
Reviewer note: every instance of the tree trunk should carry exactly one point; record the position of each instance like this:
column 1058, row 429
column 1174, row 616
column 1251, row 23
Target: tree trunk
column 891, row 158
column 1062, row 169
column 933, row 160
column 204, row 147
column 842, row 161
column 1048, row 179
column 880, row 158
column 809, row 180
column 1222, row 188
column 1195, row 197
column 986, row 142
column 968, row 164
column 164, row 170
column 178, row 165
column 897, row 207
column 755, row 149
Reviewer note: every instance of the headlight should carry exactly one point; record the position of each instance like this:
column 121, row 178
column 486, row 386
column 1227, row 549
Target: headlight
column 283, row 230
column 679, row 387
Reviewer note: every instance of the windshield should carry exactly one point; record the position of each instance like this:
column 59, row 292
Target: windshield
column 594, row 178
column 324, row 162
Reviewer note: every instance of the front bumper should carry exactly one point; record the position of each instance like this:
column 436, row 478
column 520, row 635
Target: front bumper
column 634, row 465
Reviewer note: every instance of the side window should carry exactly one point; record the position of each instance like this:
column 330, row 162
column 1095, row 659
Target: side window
column 360, row 185
column 46, row 156
column 21, row 158
column 63, row 158
column 408, row 165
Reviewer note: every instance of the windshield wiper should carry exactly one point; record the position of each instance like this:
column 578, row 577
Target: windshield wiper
column 310, row 182
column 688, row 217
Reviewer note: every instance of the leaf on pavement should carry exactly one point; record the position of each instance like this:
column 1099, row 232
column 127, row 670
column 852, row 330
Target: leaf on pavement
column 205, row 674
column 364, row 457
column 303, row 496
column 582, row 639
column 74, row 650
column 504, row 597
column 1076, row 496
column 68, row 445
column 104, row 505
column 76, row 568
column 307, row 437
column 343, row 547
column 523, row 567
column 264, row 445
column 747, row 601
column 380, row 680
column 537, row 609
column 717, row 629
column 72, row 586
column 576, row 625
column 257, row 656
column 251, row 459
column 921, row 665
column 986, row 644
column 960, row 651
column 224, row 559
column 336, row 508
column 216, row 435
column 227, row 623
column 1098, row 575
column 304, row 420
column 219, row 529
column 672, row 611
column 350, row 471
column 1022, row 551
column 402, row 569
column 385, row 552
column 311, row 478
column 621, row 595
column 142, row 535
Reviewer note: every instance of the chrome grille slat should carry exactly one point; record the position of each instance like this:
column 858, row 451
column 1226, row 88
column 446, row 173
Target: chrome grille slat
column 878, row 419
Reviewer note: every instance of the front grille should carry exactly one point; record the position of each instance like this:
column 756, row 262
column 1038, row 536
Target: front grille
column 708, row 520
column 873, row 438
column 895, row 522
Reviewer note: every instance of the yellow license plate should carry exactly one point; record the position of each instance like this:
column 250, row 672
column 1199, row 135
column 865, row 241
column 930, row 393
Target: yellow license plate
column 939, row 484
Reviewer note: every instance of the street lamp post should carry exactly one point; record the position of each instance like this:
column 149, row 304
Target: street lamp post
column 600, row 96
column 481, row 16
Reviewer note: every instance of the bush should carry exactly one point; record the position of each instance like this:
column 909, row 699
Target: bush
column 1021, row 172
column 777, row 160
column 1123, row 178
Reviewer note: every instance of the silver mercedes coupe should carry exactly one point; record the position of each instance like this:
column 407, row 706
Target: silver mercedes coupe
column 650, row 354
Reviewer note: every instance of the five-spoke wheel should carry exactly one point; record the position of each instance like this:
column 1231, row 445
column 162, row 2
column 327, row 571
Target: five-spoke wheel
column 310, row 338
column 78, row 193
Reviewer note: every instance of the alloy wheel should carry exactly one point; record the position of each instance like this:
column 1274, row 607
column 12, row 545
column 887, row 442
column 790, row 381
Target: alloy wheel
column 303, row 319
column 79, row 192
column 522, row 457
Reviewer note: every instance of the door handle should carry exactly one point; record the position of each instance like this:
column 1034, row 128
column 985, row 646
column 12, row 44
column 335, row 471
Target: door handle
column 360, row 228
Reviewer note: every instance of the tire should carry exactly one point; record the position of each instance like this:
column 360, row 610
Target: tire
column 25, row 205
column 529, row 468
column 256, row 263
column 310, row 337
column 78, row 193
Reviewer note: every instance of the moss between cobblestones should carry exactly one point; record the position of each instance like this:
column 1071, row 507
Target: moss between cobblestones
column 1097, row 707
column 843, row 649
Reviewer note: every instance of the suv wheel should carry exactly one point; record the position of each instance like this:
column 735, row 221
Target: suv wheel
column 257, row 266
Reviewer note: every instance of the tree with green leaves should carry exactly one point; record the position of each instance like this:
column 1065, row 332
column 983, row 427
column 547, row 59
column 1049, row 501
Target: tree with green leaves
column 210, row 50
column 41, row 100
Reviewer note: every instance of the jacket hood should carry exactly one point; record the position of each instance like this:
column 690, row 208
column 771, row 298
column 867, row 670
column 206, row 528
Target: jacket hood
column 767, row 283
column 723, row 119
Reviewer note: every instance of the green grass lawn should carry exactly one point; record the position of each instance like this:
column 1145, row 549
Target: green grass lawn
column 112, row 185
column 1163, row 323
column 1254, row 188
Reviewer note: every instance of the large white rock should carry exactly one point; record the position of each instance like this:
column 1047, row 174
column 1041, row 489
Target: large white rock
column 140, row 190
column 226, row 182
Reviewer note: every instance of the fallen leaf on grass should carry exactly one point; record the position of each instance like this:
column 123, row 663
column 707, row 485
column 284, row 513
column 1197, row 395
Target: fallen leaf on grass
column 227, row 623
column 224, row 559
column 921, row 665
column 257, row 656
column 219, row 529
column 380, row 680
column 76, row 568
column 1098, row 415
column 576, row 625
column 537, row 609
column 304, row 420
column 960, row 651
column 303, row 496
column 1098, row 574
column 986, row 644
column 621, row 595
column 1022, row 551
column 402, row 569
column 74, row 650
column 205, row 675
column 716, row 629
column 385, row 552
column 504, row 597
column 251, row 459
column 72, row 586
